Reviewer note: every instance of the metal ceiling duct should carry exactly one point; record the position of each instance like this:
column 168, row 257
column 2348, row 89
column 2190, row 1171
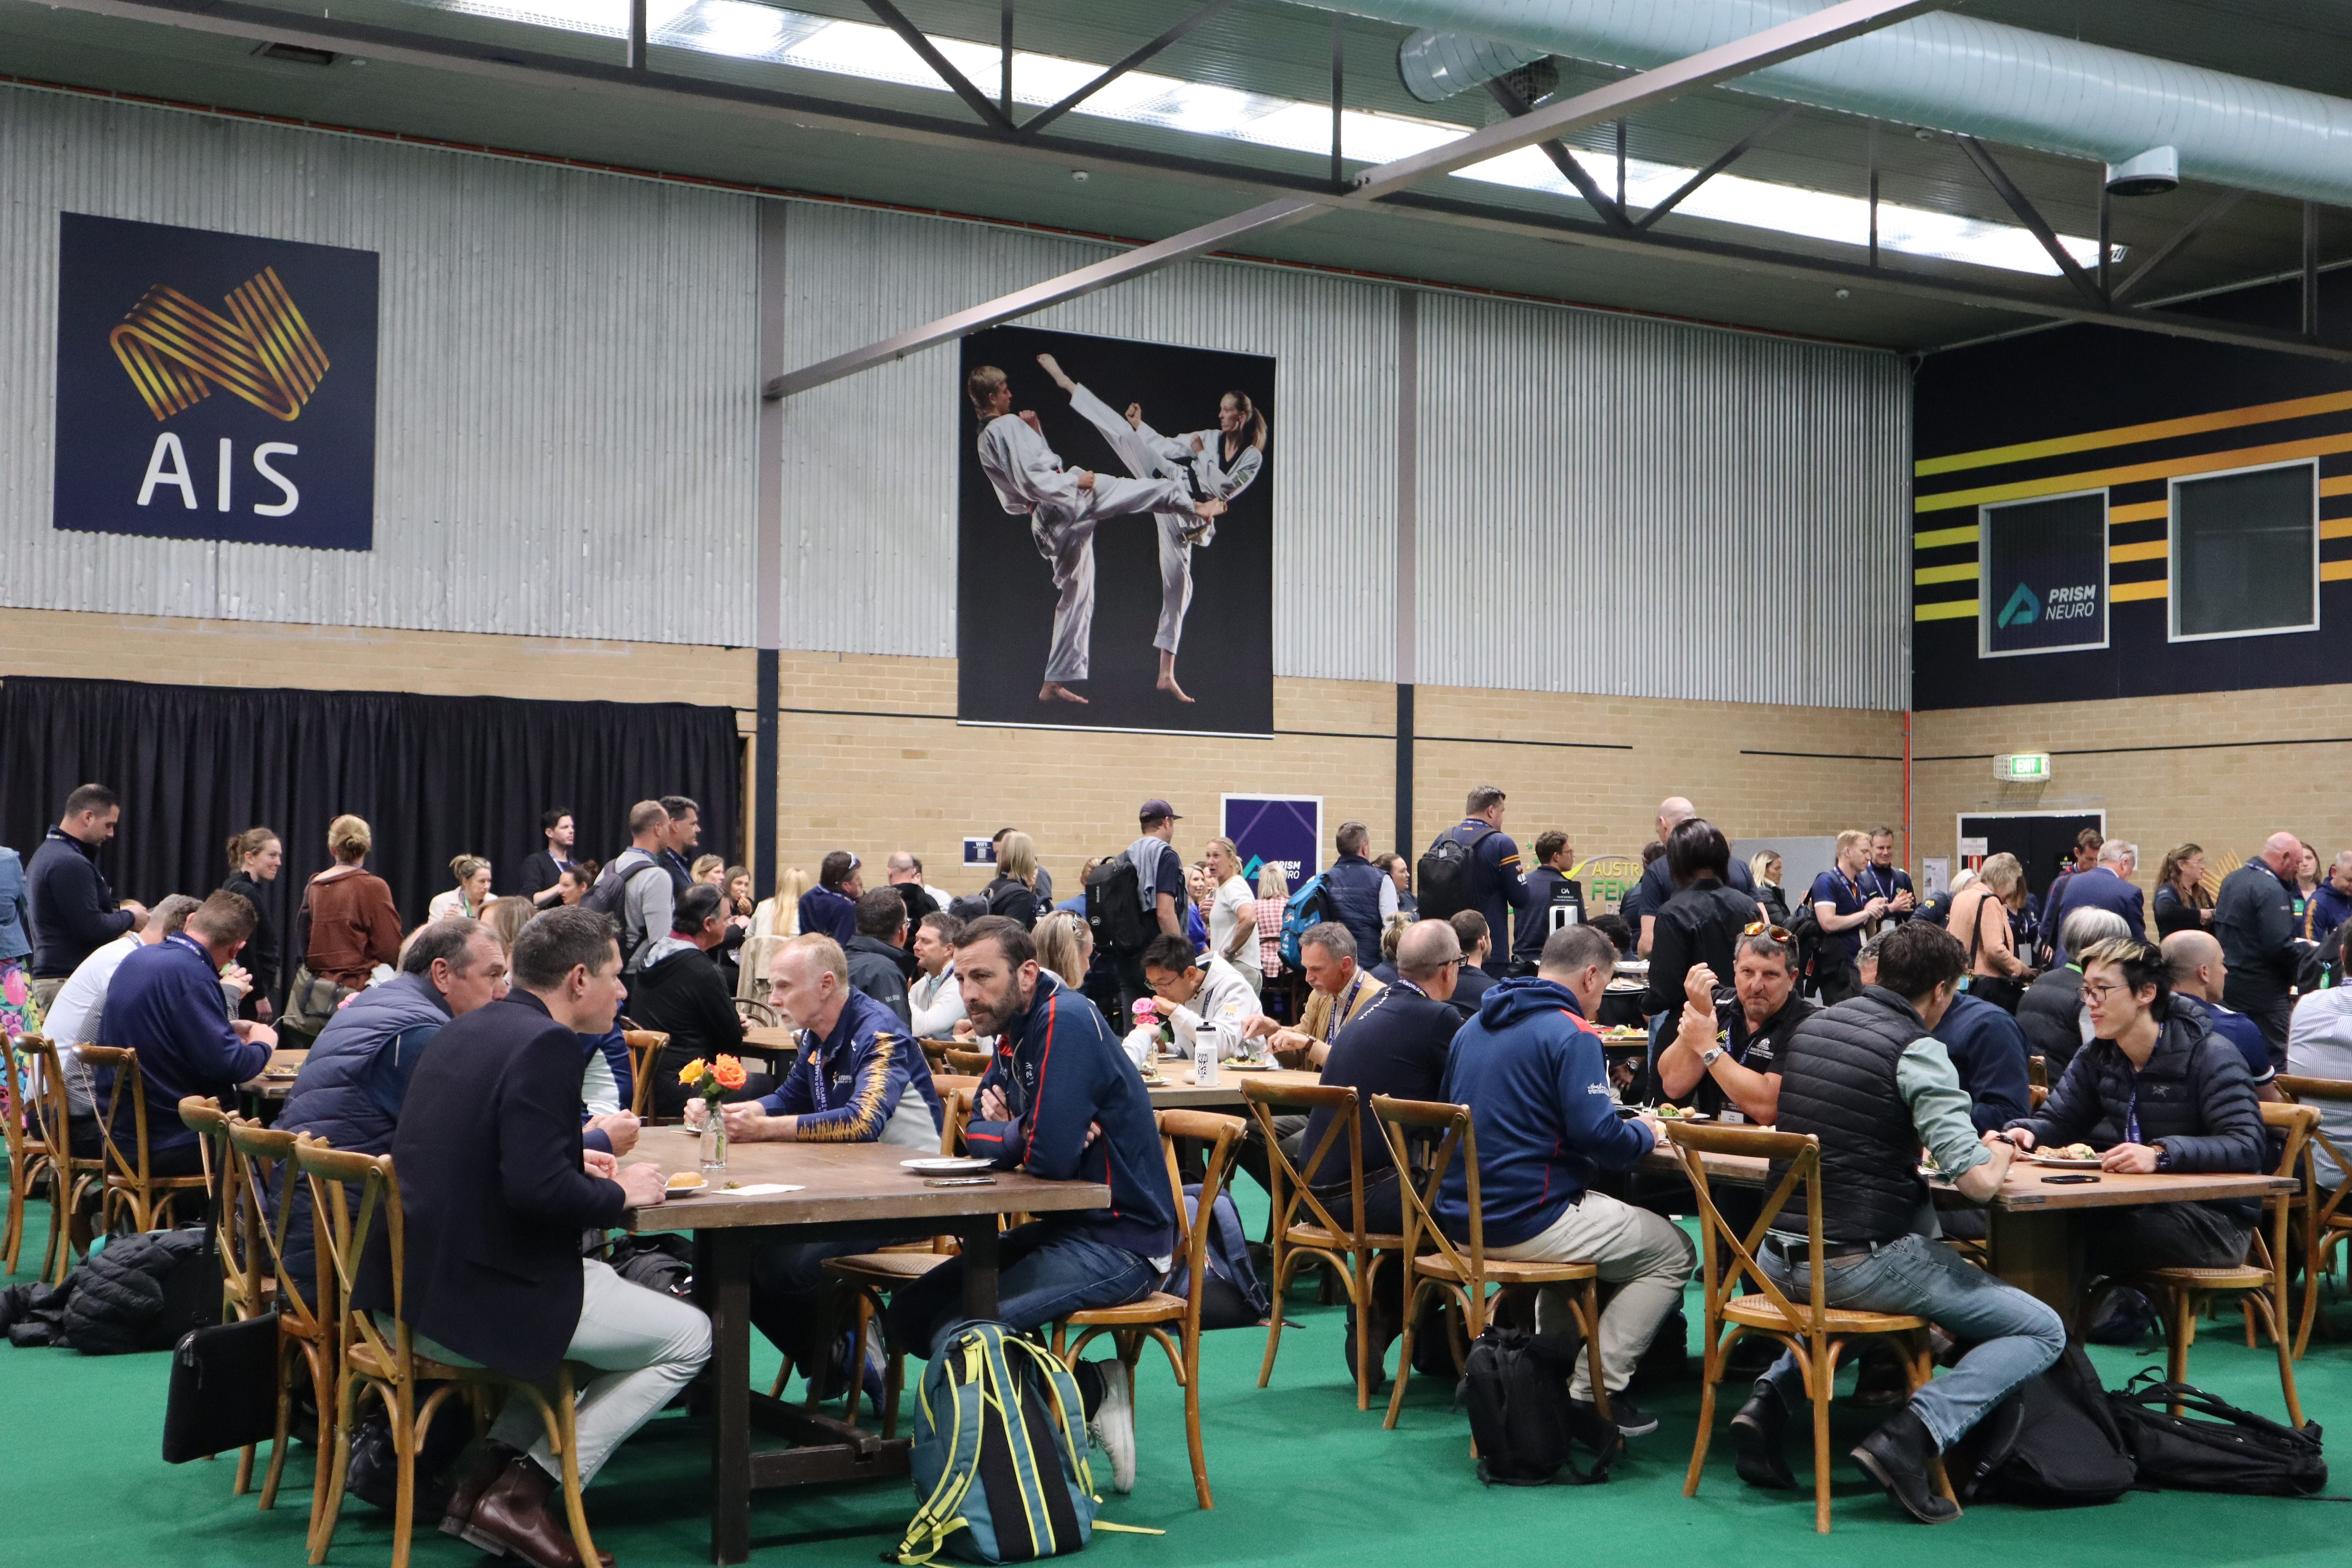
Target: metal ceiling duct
column 1945, row 72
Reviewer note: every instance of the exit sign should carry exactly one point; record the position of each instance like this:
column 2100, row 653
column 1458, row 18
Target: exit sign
column 2022, row 767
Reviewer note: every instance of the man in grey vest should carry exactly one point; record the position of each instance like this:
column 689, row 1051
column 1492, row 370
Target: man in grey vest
column 1868, row 1079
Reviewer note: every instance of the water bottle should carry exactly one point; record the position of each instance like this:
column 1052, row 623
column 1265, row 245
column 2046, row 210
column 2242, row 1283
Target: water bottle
column 1203, row 1048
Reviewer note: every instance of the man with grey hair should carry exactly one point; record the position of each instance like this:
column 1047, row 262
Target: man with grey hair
column 2106, row 886
column 1327, row 956
column 906, row 878
column 2050, row 1011
column 2254, row 919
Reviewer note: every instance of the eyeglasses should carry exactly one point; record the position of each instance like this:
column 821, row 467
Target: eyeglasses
column 1763, row 927
column 2104, row 988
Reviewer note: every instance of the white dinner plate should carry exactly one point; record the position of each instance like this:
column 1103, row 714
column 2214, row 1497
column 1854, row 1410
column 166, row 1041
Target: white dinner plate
column 948, row 1166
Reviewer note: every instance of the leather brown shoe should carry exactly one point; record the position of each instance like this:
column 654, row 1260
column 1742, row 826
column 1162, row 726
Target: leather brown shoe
column 513, row 1516
column 489, row 1461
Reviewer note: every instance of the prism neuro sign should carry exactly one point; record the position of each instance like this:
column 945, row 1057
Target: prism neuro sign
column 214, row 386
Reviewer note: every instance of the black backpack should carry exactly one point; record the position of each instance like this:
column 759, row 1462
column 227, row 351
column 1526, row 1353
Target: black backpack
column 2052, row 1442
column 609, row 895
column 1515, row 1386
column 2237, row 1451
column 1115, row 909
column 1444, row 874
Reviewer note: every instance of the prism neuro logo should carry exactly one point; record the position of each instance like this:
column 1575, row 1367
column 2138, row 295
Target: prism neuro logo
column 2022, row 609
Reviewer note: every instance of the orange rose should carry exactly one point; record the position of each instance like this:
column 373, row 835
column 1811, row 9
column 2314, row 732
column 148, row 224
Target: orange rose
column 691, row 1073
column 729, row 1072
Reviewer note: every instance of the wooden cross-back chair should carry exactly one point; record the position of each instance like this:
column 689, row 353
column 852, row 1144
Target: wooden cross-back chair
column 936, row 1053
column 2325, row 1222
column 865, row 1279
column 245, row 1285
column 2260, row 1282
column 1316, row 1235
column 1815, row 1332
column 70, row 1175
column 386, row 1363
column 130, row 1184
column 645, row 1050
column 271, row 1181
column 1462, row 1272
column 1151, row 1317
column 27, row 1147
column 969, row 1063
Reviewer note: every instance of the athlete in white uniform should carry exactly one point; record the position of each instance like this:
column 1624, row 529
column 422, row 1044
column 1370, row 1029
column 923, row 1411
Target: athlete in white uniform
column 1218, row 464
column 1063, row 507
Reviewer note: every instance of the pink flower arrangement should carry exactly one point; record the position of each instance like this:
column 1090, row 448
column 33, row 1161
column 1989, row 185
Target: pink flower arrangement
column 1147, row 1010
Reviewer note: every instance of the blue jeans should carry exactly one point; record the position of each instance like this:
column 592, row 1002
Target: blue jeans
column 1044, row 1271
column 2012, row 1335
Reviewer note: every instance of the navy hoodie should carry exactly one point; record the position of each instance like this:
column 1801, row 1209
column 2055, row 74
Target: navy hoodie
column 1062, row 1071
column 1531, row 1072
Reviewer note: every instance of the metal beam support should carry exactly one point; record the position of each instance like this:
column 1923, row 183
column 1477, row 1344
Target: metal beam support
column 1045, row 117
column 1563, row 158
column 1004, row 62
column 1997, row 178
column 2311, row 270
column 1737, row 150
column 1621, row 164
column 1338, row 101
column 2107, row 248
column 501, row 61
column 636, row 55
column 957, row 82
column 1874, row 196
column 2179, row 241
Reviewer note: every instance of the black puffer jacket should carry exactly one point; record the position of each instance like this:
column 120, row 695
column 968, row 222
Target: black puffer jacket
column 2050, row 1015
column 133, row 1295
column 2194, row 1097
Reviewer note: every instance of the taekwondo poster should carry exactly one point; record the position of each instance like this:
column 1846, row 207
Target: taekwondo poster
column 1115, row 534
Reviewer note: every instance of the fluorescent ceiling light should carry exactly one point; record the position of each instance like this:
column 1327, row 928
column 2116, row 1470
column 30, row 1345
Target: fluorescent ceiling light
column 741, row 30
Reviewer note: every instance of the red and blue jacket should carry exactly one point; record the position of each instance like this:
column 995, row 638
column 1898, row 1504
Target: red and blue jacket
column 1061, row 1071
column 1530, row 1069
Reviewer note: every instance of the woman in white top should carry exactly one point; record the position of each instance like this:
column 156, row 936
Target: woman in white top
column 1233, row 913
column 470, row 897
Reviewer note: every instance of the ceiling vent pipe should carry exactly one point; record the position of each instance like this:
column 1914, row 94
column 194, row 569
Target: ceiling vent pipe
column 1943, row 72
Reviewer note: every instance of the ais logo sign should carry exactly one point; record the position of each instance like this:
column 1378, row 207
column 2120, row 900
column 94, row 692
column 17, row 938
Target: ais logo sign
column 214, row 386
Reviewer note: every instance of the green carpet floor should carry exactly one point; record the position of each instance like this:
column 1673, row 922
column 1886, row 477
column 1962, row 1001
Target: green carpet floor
column 1301, row 1477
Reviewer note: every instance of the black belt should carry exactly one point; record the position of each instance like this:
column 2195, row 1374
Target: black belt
column 1793, row 1251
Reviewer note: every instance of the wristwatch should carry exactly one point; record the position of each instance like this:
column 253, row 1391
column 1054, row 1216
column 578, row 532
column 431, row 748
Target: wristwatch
column 1707, row 1059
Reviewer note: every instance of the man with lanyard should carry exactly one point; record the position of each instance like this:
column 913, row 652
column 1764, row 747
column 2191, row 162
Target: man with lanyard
column 1844, row 907
column 856, row 1078
column 1554, row 901
column 2254, row 920
column 1092, row 1123
column 1327, row 954
column 1499, row 881
column 1883, row 879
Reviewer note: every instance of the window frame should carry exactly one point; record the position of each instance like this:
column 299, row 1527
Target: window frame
column 2173, row 576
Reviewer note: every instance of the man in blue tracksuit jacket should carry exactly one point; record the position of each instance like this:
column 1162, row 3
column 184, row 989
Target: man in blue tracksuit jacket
column 1060, row 1101
column 1530, row 1069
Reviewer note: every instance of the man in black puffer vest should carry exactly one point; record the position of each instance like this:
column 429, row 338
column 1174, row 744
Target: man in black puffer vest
column 2154, row 1092
column 1869, row 1081
column 1362, row 896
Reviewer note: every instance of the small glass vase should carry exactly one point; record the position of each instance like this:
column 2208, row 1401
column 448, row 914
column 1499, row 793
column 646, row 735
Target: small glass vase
column 714, row 1141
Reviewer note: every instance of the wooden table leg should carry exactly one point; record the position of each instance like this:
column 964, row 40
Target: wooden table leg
column 2036, row 1250
column 979, row 1232
column 722, row 1277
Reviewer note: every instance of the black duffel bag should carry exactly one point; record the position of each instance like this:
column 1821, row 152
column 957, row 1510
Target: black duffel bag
column 2236, row 1451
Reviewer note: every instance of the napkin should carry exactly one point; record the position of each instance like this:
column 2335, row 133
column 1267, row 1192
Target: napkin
column 760, row 1190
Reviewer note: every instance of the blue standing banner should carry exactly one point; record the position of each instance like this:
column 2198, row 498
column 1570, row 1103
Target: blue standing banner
column 1285, row 829
column 214, row 385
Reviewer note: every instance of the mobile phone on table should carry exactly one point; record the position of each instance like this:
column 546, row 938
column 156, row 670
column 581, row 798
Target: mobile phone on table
column 959, row 1181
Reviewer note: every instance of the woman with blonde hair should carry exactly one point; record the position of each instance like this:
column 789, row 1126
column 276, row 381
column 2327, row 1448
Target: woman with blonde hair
column 1066, row 944
column 1979, row 918
column 346, row 926
column 470, row 897
column 2181, row 901
column 1764, row 871
column 506, row 917
column 781, row 916
column 1272, row 899
column 1233, row 913
column 1014, row 894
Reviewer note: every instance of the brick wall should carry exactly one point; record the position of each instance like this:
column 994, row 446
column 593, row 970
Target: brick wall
column 884, row 766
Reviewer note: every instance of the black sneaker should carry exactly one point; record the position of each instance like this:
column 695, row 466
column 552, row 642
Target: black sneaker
column 1629, row 1419
column 1758, row 1433
column 1898, row 1457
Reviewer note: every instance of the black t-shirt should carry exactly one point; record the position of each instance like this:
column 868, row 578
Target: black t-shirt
column 1658, row 890
column 1396, row 1046
column 1759, row 1051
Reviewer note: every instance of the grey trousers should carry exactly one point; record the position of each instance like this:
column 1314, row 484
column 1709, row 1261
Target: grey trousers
column 645, row 1345
column 1645, row 1256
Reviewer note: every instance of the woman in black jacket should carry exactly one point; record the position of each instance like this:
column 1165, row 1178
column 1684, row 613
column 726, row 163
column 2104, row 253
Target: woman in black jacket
column 1702, row 923
column 254, row 857
column 1014, row 894
column 2181, row 901
column 2154, row 1090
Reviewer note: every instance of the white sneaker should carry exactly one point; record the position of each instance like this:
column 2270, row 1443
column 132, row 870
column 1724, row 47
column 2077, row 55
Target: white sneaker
column 1112, row 1425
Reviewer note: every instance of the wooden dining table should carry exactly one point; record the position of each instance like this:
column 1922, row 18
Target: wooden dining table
column 2037, row 1229
column 275, row 1081
column 846, row 1189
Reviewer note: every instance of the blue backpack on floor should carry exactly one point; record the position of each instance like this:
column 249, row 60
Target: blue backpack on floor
column 1001, row 1459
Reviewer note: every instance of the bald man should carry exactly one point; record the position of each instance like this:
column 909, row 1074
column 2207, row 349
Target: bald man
column 2254, row 919
column 2200, row 974
column 1656, row 889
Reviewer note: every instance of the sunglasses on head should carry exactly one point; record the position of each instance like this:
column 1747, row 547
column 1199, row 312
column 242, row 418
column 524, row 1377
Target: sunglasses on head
column 1762, row 928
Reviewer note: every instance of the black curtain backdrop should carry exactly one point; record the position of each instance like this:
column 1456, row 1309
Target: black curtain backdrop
column 433, row 776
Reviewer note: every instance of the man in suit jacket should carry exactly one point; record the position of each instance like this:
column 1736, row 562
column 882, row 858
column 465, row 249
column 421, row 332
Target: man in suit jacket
column 543, row 872
column 496, row 1188
column 2106, row 886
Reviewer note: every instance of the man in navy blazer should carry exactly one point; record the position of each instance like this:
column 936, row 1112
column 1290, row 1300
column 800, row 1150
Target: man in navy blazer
column 2106, row 886
column 496, row 1188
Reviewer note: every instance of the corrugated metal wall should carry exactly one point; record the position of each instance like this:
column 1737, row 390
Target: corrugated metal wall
column 1610, row 504
column 567, row 399
column 870, row 462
